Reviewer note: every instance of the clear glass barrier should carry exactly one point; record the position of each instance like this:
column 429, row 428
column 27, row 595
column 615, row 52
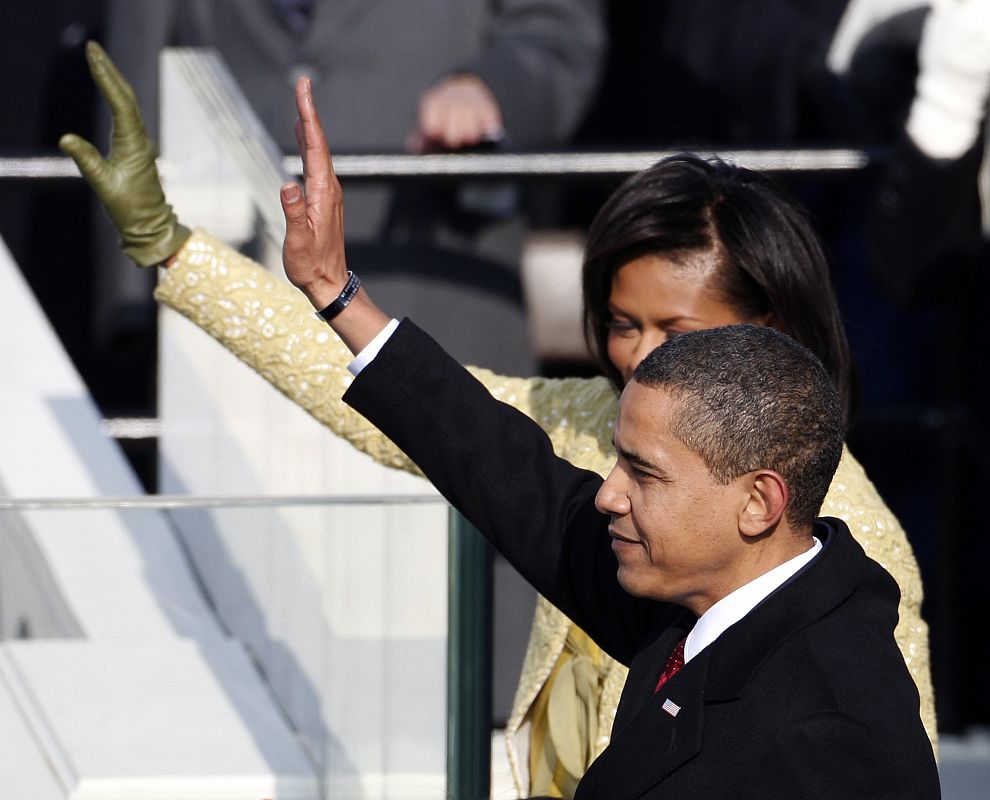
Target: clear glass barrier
column 335, row 608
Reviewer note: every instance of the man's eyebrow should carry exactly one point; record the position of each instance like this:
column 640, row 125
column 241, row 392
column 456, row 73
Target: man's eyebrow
column 637, row 460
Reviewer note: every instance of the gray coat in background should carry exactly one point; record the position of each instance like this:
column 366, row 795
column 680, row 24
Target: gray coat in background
column 453, row 247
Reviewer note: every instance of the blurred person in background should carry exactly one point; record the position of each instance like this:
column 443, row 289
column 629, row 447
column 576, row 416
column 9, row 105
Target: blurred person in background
column 434, row 75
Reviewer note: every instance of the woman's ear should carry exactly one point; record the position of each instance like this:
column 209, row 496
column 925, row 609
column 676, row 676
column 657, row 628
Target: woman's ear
column 765, row 502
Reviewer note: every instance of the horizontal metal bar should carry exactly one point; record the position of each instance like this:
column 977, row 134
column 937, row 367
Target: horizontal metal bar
column 132, row 427
column 494, row 165
column 163, row 501
column 49, row 167
column 576, row 164
column 38, row 167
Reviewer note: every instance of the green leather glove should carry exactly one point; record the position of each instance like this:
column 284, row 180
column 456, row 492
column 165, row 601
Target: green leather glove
column 127, row 180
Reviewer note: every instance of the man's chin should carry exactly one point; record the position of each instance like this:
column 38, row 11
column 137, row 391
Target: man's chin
column 639, row 585
column 627, row 580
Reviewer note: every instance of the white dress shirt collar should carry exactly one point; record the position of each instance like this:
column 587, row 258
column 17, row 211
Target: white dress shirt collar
column 736, row 605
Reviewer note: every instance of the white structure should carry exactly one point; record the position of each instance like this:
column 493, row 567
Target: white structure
column 343, row 609
column 115, row 678
column 211, row 653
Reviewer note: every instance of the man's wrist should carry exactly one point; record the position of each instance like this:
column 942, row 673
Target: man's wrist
column 321, row 291
column 342, row 300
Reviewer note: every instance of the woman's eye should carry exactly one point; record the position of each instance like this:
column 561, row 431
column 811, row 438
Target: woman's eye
column 621, row 326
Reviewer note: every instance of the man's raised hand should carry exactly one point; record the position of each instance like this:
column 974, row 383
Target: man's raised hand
column 313, row 250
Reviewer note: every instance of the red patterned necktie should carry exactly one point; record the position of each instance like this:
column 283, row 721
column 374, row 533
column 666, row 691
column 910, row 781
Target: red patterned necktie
column 674, row 663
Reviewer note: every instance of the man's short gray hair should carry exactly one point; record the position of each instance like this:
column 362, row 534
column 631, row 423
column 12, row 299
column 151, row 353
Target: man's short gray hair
column 748, row 397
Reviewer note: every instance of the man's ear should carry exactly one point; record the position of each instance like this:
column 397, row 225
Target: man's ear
column 765, row 502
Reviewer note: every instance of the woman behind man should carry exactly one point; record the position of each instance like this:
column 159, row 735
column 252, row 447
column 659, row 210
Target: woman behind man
column 683, row 245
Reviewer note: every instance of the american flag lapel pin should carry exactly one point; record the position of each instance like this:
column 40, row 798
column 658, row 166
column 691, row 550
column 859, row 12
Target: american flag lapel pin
column 670, row 707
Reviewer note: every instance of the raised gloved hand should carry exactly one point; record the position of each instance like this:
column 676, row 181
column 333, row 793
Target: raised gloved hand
column 127, row 180
column 954, row 78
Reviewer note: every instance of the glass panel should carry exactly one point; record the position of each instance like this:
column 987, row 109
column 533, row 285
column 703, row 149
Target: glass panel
column 324, row 663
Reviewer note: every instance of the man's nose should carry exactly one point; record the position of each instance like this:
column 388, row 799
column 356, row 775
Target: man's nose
column 611, row 497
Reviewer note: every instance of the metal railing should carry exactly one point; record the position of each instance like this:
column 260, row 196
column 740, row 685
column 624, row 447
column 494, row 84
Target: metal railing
column 556, row 165
column 164, row 502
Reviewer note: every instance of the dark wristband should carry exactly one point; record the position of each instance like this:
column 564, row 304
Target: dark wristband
column 346, row 295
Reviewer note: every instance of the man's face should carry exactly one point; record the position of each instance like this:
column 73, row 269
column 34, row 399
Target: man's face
column 674, row 528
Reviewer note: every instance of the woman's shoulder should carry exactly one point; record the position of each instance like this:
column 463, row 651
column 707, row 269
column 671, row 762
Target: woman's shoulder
column 853, row 498
column 852, row 493
column 578, row 414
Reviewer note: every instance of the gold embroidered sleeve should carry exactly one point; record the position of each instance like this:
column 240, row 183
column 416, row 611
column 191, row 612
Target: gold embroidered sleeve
column 270, row 326
column 576, row 413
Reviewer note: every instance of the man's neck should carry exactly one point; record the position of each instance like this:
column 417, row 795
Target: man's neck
column 738, row 603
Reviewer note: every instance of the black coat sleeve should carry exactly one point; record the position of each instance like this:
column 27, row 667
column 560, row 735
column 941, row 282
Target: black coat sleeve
column 498, row 468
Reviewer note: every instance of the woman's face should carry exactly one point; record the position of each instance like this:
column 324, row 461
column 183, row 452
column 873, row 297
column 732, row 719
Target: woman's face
column 654, row 298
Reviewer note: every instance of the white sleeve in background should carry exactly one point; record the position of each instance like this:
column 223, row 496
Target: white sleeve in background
column 370, row 350
column 859, row 18
column 953, row 79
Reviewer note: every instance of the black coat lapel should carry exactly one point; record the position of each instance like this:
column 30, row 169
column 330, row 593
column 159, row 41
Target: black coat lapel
column 824, row 584
column 661, row 736
column 645, row 669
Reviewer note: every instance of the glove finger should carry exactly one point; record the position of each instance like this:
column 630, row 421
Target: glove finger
column 91, row 164
column 127, row 122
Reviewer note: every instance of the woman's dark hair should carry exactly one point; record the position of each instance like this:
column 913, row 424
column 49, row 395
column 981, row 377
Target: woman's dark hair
column 768, row 257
